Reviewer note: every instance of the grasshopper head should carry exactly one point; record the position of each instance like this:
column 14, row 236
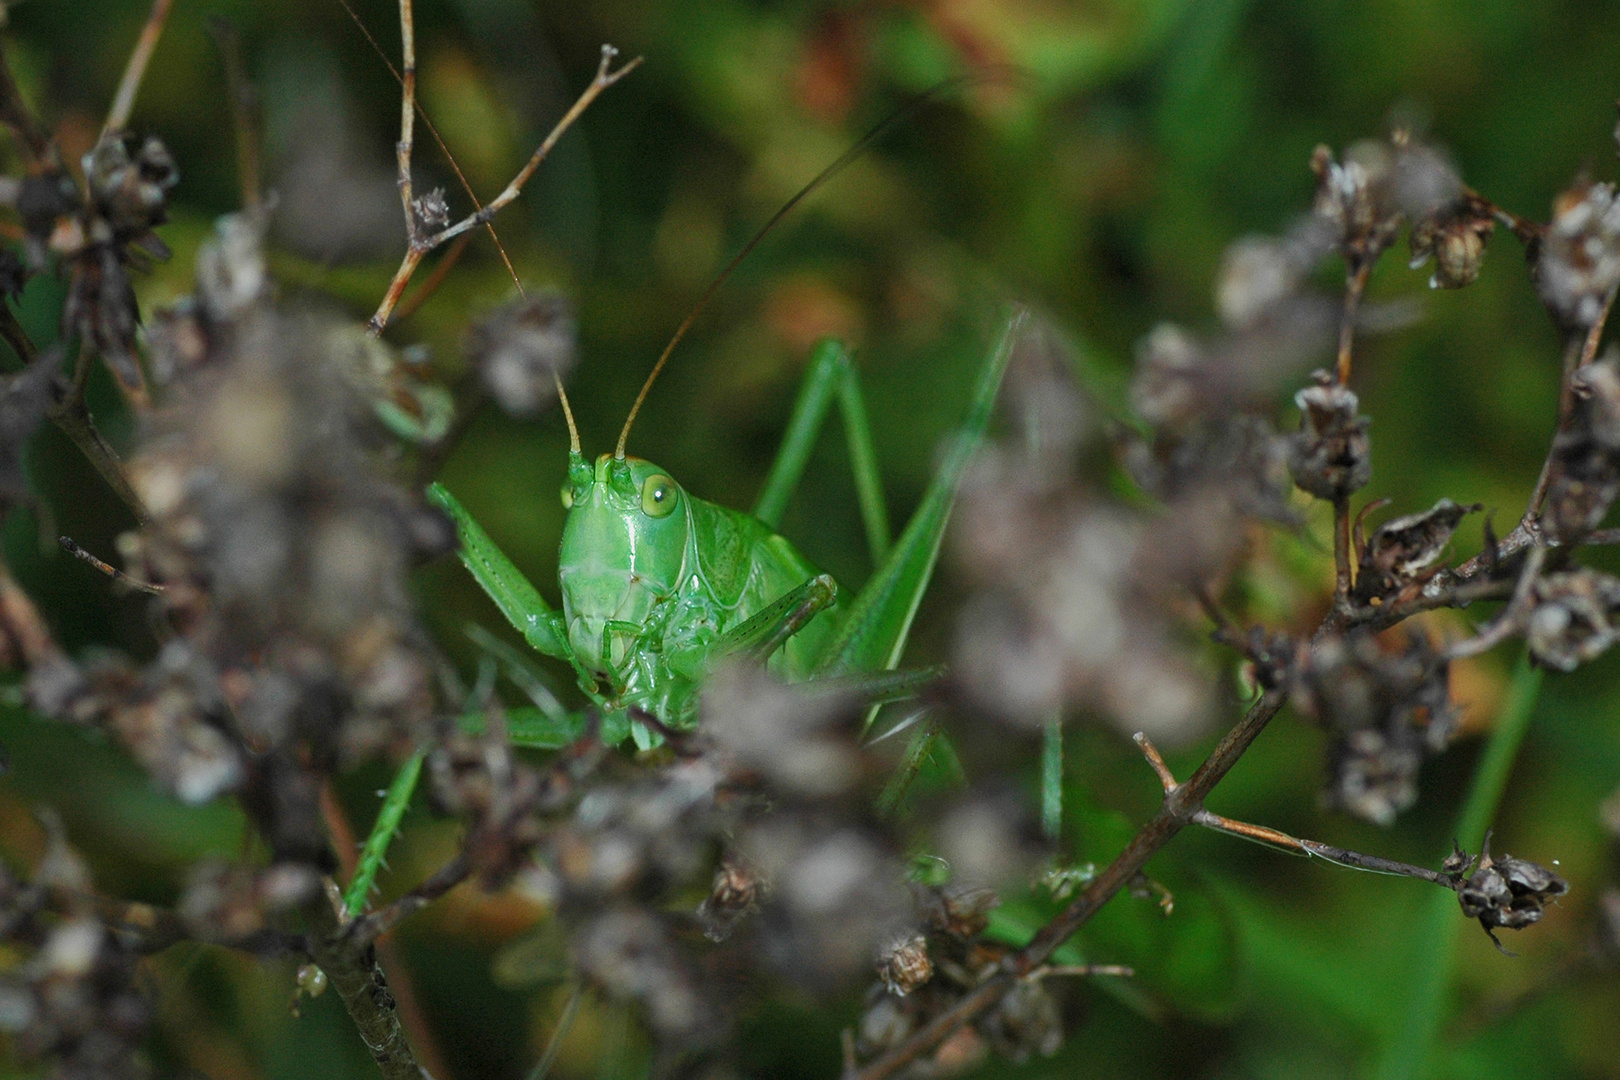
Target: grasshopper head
column 623, row 549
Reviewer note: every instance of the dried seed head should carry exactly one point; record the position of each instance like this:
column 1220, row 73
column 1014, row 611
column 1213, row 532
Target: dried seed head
column 1330, row 457
column 1356, row 198
column 1508, row 893
column 431, row 210
column 1585, row 477
column 1455, row 237
column 629, row 955
column 1026, row 1021
column 1386, row 709
column 1403, row 551
column 1573, row 619
column 959, row 911
column 131, row 190
column 734, row 894
column 903, row 964
column 522, row 349
column 1579, row 262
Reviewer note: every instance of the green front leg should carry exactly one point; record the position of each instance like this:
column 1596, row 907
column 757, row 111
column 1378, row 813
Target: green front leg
column 540, row 624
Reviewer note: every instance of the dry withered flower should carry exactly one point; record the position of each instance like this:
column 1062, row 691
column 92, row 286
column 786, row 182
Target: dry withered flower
column 904, row 964
column 522, row 349
column 1330, row 457
column 1455, row 238
column 1026, row 1022
column 1402, row 551
column 1579, row 263
column 734, row 894
column 1572, row 622
column 1386, row 710
column 1584, row 480
column 1356, row 197
column 1506, row 893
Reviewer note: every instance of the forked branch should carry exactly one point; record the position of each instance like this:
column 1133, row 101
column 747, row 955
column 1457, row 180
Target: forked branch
column 419, row 214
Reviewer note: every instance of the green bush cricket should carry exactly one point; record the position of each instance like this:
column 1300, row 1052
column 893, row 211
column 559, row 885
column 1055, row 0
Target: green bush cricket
column 658, row 584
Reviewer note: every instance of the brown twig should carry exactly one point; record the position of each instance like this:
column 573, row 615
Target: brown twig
column 1376, row 618
column 419, row 244
column 70, row 413
column 1343, row 574
column 1274, row 838
column 1511, row 619
column 111, row 571
column 389, row 958
column 352, row 970
column 135, row 70
column 1176, row 812
column 1354, row 286
column 461, row 177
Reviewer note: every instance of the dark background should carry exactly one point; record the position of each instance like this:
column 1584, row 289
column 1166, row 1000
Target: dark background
column 1101, row 186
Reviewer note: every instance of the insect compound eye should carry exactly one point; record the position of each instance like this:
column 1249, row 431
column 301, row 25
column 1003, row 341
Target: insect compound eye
column 568, row 496
column 658, row 496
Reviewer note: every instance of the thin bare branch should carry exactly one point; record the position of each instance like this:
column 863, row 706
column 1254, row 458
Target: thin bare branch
column 1355, row 285
column 135, row 70
column 111, row 571
column 369, row 927
column 353, row 972
column 420, row 245
column 1511, row 619
column 1175, row 813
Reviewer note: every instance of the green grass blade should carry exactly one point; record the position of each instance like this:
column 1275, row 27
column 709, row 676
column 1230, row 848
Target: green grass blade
column 1412, row 1047
column 1052, row 779
column 382, row 833
column 873, row 634
column 523, row 606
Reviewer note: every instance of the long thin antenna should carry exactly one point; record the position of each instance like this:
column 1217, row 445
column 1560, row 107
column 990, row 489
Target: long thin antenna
column 844, row 159
column 568, row 413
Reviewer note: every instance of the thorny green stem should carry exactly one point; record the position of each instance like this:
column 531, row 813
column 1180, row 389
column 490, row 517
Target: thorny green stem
column 1179, row 809
column 382, row 833
column 368, row 928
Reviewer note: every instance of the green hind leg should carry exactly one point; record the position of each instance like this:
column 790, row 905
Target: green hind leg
column 831, row 375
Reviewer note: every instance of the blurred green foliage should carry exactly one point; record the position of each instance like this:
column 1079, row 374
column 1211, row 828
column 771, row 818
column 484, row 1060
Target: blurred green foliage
column 1100, row 184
